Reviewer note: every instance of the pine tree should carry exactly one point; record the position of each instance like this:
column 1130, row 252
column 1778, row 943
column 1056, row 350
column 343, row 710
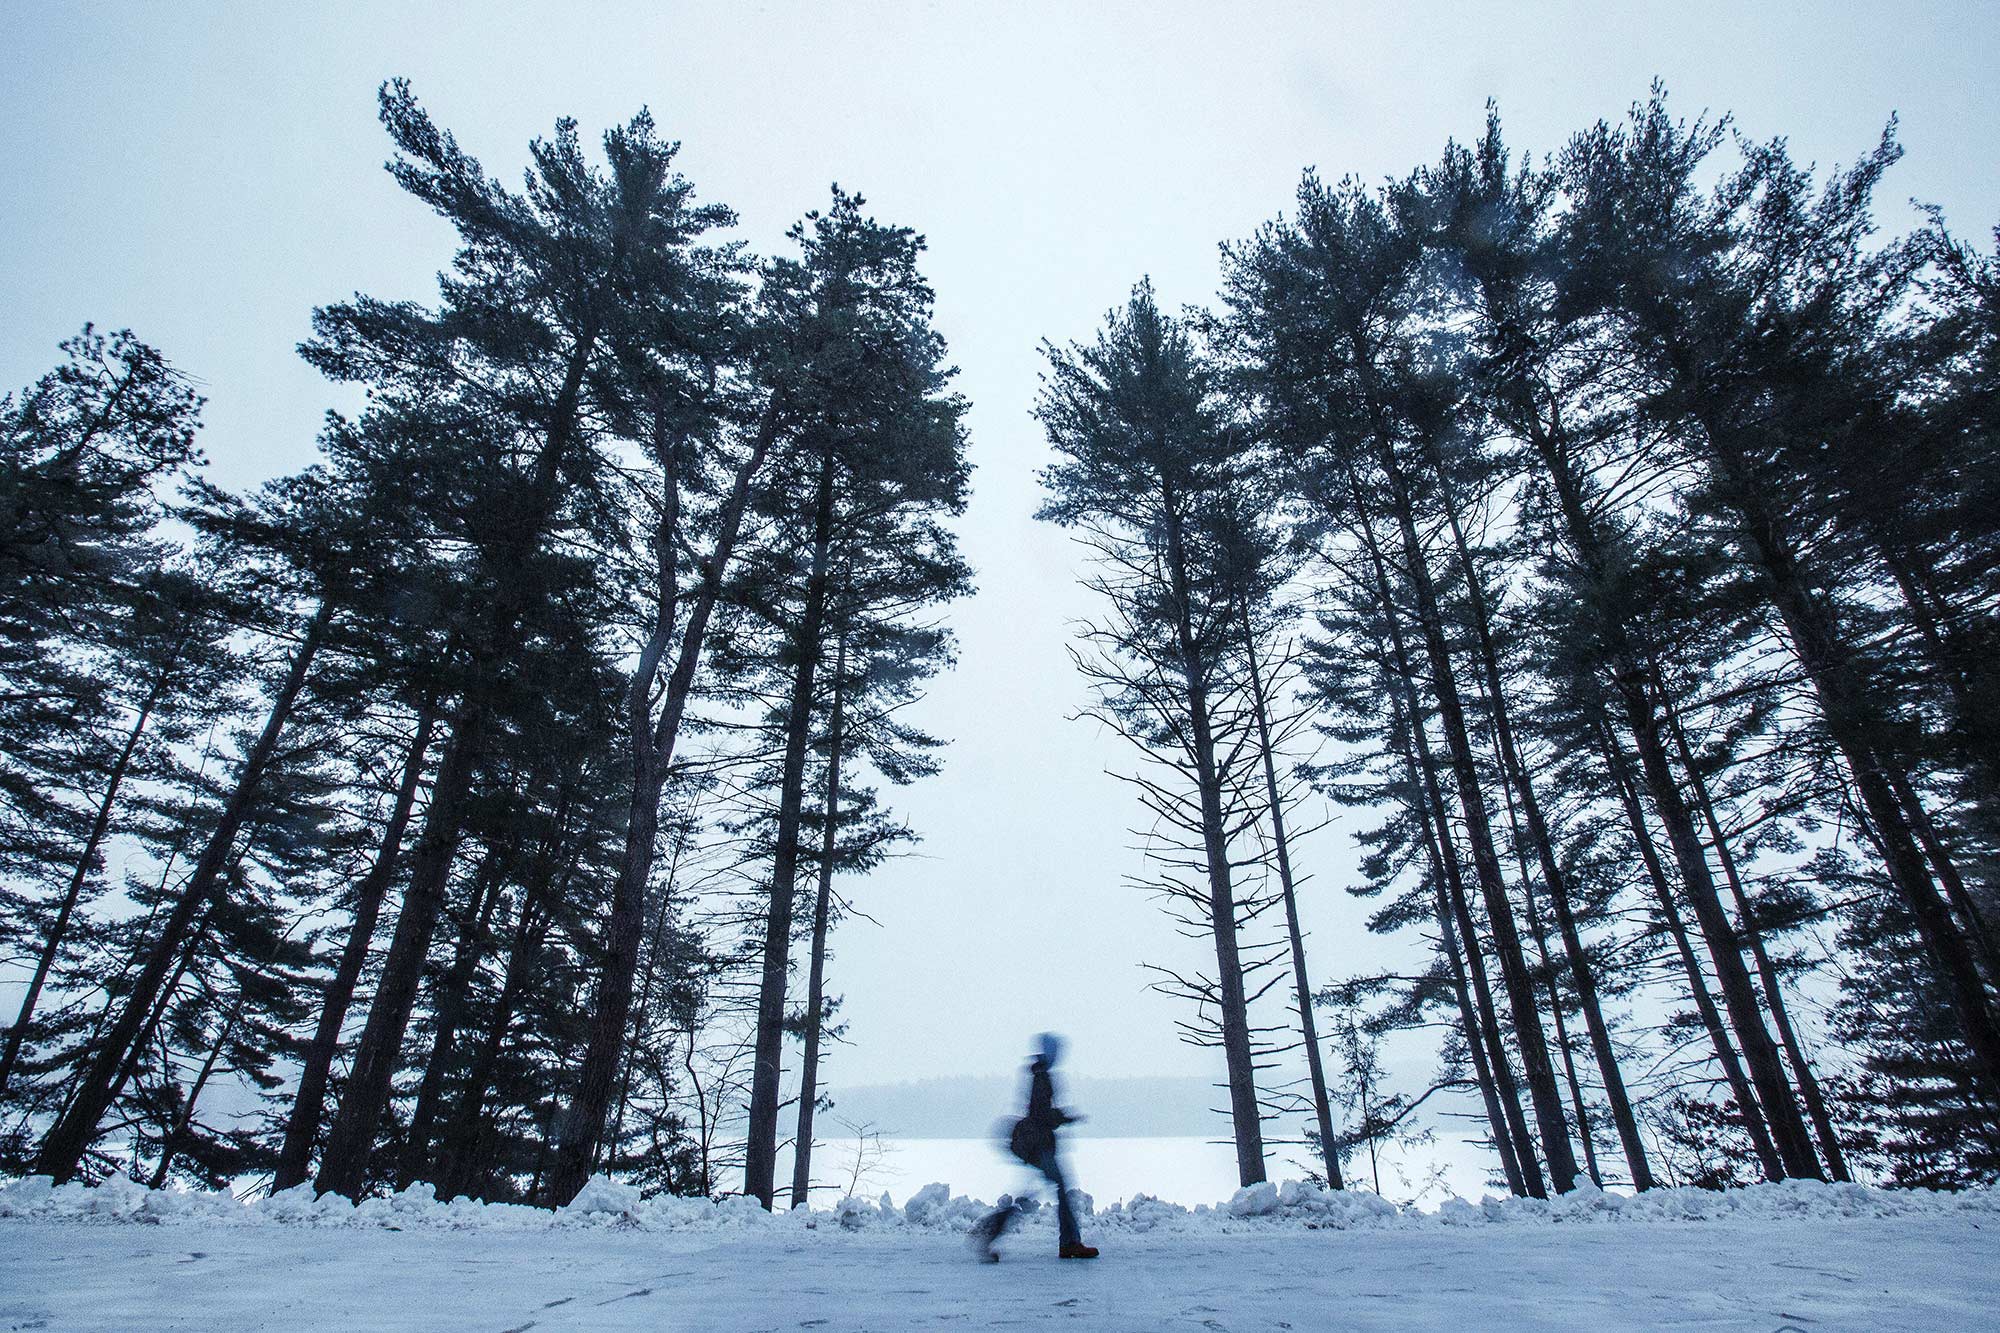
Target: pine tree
column 877, row 462
column 90, row 638
column 1145, row 457
column 1747, row 338
column 488, row 394
column 1253, row 549
column 298, row 544
column 1325, row 310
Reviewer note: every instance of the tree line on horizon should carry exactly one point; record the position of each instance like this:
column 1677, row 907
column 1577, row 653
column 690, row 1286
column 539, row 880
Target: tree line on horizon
column 1619, row 535
column 476, row 786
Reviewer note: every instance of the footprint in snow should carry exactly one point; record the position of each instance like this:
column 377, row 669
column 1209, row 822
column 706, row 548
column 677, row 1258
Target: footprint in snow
column 643, row 1291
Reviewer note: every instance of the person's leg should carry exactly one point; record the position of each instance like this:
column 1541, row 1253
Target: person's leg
column 987, row 1230
column 1066, row 1226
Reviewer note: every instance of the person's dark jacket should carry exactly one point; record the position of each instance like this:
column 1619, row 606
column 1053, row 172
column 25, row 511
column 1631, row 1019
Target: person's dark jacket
column 1034, row 1135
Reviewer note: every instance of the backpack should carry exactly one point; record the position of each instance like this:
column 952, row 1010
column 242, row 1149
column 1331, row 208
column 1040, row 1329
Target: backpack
column 1029, row 1141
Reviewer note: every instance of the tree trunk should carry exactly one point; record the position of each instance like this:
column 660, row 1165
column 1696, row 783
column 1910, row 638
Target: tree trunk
column 1608, row 592
column 1581, row 975
column 760, row 1150
column 461, row 1152
column 1711, row 1020
column 652, row 746
column 822, row 910
column 170, row 1146
column 1978, row 738
column 309, row 1103
column 80, row 876
column 62, row 1151
column 1302, row 986
column 350, row 1141
column 1846, row 697
column 1974, row 922
column 1531, row 1180
column 1767, row 975
column 1725, row 950
column 1538, row 931
column 1543, row 1093
column 447, row 1011
column 656, row 951
column 1481, row 1031
column 137, row 1054
column 1246, row 1117
column 1570, row 1080
column 1607, row 589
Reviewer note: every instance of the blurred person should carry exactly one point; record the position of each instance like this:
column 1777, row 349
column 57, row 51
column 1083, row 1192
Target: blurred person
column 1032, row 1138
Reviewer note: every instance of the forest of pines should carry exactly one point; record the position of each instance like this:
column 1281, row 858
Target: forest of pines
column 1613, row 537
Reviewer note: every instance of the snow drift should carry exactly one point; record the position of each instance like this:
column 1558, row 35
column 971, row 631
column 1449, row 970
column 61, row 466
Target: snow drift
column 1270, row 1206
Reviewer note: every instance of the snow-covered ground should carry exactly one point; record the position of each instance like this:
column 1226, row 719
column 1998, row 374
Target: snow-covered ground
column 1795, row 1256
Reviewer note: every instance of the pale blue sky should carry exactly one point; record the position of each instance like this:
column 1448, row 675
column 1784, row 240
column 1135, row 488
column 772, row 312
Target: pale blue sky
column 206, row 174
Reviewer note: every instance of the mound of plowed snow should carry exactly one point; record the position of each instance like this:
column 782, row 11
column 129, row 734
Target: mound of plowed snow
column 604, row 1202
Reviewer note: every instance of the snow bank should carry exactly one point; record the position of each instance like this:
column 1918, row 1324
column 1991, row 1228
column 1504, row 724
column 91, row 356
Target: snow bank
column 1269, row 1206
column 934, row 1206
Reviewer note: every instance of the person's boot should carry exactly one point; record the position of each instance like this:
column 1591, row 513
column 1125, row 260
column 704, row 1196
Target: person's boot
column 1076, row 1249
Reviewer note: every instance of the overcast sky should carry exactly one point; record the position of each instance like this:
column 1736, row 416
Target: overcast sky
column 205, row 175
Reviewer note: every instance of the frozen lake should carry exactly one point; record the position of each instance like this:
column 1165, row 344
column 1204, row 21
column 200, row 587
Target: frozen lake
column 1184, row 1170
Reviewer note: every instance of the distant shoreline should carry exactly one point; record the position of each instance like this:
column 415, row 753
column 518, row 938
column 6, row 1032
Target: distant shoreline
column 973, row 1107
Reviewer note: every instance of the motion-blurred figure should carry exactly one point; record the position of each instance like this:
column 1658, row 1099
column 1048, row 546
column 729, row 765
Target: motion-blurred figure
column 1033, row 1140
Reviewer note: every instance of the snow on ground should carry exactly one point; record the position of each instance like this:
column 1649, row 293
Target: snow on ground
column 1797, row 1256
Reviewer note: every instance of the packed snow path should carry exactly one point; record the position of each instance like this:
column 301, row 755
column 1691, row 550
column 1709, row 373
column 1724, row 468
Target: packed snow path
column 1803, row 1259
column 1845, row 1274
